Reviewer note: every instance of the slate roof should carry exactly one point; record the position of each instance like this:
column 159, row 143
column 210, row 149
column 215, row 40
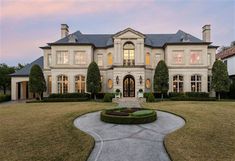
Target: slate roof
column 26, row 70
column 226, row 53
column 106, row 40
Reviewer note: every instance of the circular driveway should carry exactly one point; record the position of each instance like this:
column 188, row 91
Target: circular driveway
column 142, row 142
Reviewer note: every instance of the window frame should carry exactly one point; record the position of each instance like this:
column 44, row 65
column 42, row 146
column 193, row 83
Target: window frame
column 200, row 57
column 178, row 84
column 80, row 83
column 60, row 60
column 81, row 56
column 62, row 84
column 197, row 83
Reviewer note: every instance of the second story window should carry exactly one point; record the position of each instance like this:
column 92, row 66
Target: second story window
column 100, row 60
column 147, row 59
column 110, row 59
column 178, row 57
column 129, row 54
column 80, row 57
column 195, row 57
column 62, row 57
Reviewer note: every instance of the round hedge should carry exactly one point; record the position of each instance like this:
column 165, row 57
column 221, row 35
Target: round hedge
column 127, row 116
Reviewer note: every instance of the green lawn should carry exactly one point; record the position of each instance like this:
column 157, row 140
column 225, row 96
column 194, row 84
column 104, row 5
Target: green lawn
column 45, row 131
column 209, row 133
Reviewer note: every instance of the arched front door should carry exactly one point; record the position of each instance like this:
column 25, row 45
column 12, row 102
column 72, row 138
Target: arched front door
column 129, row 86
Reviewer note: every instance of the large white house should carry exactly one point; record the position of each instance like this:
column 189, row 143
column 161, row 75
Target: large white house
column 126, row 60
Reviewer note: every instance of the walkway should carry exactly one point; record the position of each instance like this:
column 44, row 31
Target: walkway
column 129, row 142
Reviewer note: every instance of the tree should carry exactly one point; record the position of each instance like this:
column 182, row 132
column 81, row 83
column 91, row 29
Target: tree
column 37, row 83
column 220, row 78
column 161, row 78
column 93, row 79
column 5, row 79
column 19, row 66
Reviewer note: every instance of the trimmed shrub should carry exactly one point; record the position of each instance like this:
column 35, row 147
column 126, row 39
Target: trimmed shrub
column 70, row 95
column 150, row 98
column 176, row 94
column 193, row 99
column 4, row 98
column 108, row 97
column 197, row 94
column 65, row 99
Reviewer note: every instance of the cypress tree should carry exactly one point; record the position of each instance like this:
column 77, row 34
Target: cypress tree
column 220, row 78
column 37, row 83
column 161, row 78
column 93, row 79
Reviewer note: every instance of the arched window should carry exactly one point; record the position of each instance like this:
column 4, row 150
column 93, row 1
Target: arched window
column 196, row 83
column 178, row 83
column 110, row 59
column 80, row 84
column 110, row 83
column 147, row 59
column 148, row 83
column 62, row 84
column 128, row 54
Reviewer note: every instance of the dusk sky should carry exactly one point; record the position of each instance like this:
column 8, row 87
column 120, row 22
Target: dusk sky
column 25, row 25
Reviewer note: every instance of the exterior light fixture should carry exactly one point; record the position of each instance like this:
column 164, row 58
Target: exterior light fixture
column 141, row 80
column 117, row 79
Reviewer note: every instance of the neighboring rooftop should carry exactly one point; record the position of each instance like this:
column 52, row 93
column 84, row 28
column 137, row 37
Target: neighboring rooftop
column 226, row 53
column 26, row 70
column 106, row 40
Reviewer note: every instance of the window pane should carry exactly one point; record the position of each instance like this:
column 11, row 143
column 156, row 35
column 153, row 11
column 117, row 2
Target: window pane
column 178, row 57
column 147, row 59
column 80, row 57
column 195, row 57
column 100, row 60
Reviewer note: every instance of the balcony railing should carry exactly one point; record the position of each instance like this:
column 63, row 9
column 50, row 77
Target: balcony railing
column 128, row 62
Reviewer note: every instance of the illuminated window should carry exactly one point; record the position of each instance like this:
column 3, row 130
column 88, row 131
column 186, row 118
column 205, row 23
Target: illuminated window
column 80, row 84
column 196, row 83
column 62, row 57
column 209, row 79
column 49, row 84
column 110, row 83
column 110, row 59
column 62, row 84
column 147, row 59
column 49, row 59
column 148, row 83
column 100, row 60
column 129, row 54
column 178, row 57
column 195, row 57
column 80, row 57
column 178, row 83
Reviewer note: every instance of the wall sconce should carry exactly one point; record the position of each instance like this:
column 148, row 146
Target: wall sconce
column 117, row 79
column 141, row 80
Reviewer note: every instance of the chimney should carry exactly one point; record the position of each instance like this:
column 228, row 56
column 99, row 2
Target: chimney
column 64, row 30
column 206, row 33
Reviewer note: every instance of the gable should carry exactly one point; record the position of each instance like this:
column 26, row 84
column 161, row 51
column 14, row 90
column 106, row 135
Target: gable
column 129, row 33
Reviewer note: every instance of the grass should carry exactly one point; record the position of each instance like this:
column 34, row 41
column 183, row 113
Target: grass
column 45, row 131
column 209, row 133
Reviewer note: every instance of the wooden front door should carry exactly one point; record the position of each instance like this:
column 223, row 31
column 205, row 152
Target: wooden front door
column 129, row 86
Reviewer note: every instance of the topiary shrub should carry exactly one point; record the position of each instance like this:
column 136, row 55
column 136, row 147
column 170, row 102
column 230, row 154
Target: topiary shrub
column 5, row 97
column 108, row 97
column 142, row 113
column 150, row 98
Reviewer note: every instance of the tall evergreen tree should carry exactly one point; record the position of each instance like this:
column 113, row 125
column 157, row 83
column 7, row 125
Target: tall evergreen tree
column 37, row 83
column 93, row 79
column 220, row 78
column 5, row 79
column 161, row 78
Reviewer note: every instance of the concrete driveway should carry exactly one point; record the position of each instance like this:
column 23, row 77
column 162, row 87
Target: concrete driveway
column 142, row 142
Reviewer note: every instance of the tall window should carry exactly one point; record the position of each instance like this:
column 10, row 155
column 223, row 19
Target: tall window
column 80, row 84
column 196, row 83
column 49, row 59
column 49, row 84
column 62, row 57
column 129, row 54
column 178, row 57
column 209, row 59
column 148, row 83
column 110, row 83
column 110, row 59
column 195, row 57
column 147, row 59
column 178, row 83
column 62, row 84
column 158, row 57
column 209, row 79
column 100, row 60
column 80, row 57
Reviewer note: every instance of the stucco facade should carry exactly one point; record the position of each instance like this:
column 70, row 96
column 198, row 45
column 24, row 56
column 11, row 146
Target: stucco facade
column 128, row 57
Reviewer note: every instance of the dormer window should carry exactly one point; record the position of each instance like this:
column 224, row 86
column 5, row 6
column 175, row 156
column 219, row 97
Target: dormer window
column 72, row 38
